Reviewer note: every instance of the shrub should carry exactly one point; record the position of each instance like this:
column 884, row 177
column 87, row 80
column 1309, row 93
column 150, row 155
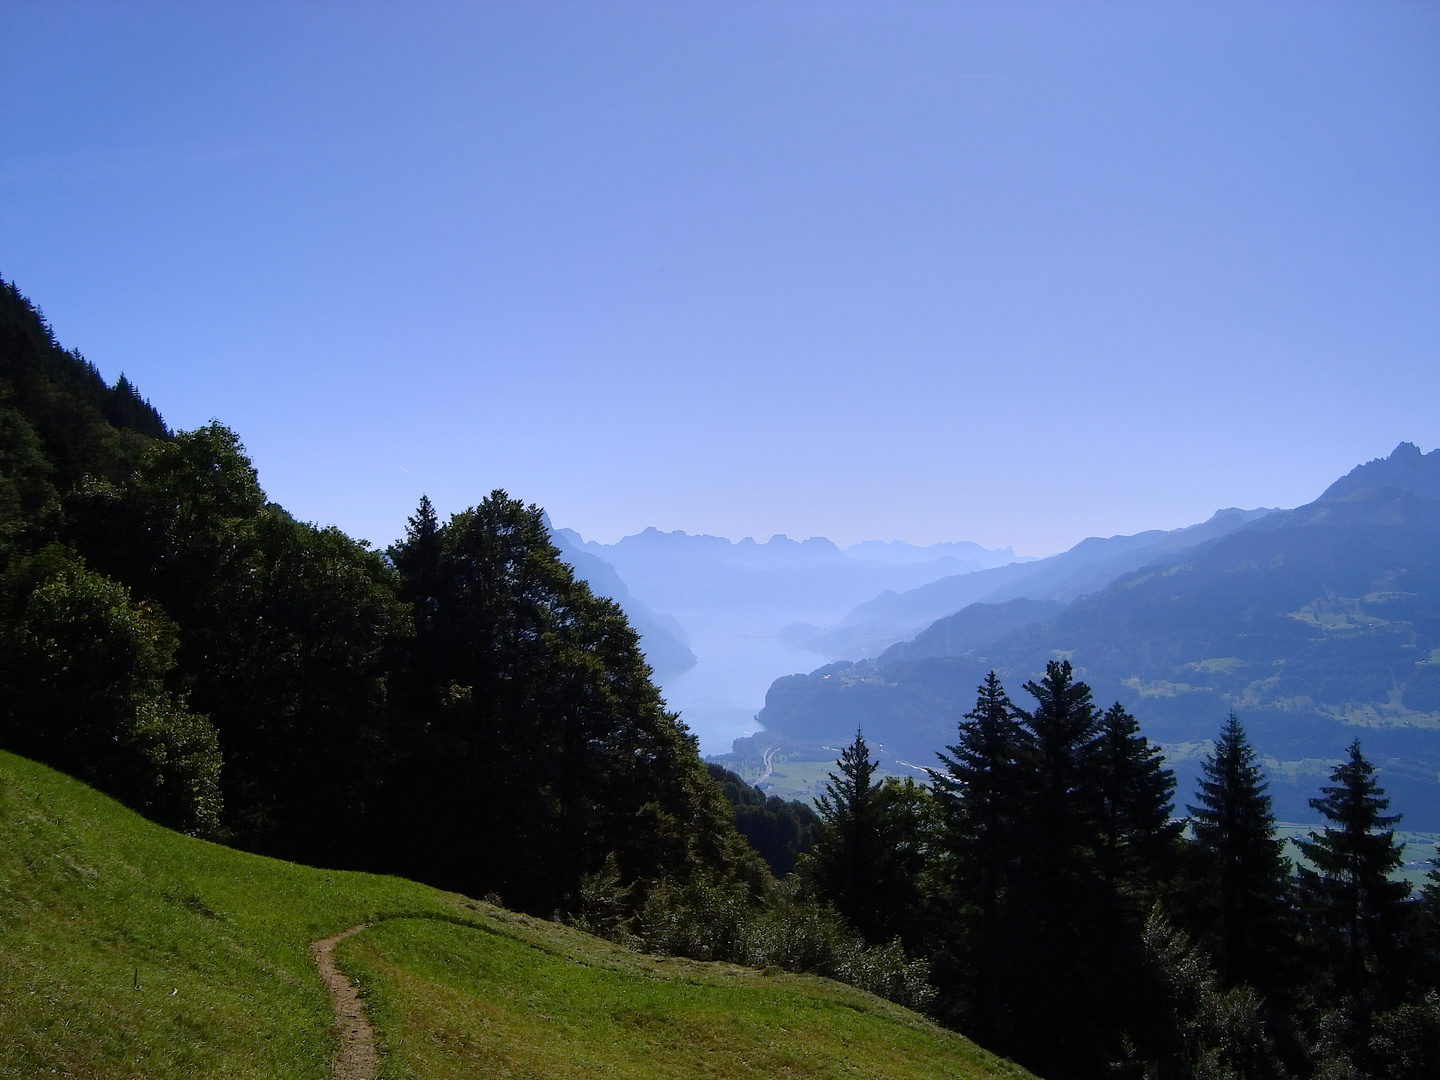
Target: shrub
column 786, row 929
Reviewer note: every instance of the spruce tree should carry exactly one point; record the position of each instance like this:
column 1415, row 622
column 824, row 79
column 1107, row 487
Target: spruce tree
column 1242, row 869
column 1357, row 911
column 867, row 861
column 1062, row 1022
column 1428, row 930
column 1061, row 740
column 1135, row 854
column 978, row 790
column 418, row 559
column 1136, row 796
column 847, row 864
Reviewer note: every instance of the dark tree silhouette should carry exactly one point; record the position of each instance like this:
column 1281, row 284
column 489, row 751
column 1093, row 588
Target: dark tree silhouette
column 537, row 747
column 845, row 863
column 1357, row 913
column 979, row 794
column 1243, row 873
column 1057, row 1002
column 1136, row 800
column 876, row 834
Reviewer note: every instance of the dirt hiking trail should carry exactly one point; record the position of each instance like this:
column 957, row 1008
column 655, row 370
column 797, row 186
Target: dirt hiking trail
column 358, row 1057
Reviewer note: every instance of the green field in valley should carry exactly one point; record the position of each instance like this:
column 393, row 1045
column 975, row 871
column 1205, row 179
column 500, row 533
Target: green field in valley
column 127, row 950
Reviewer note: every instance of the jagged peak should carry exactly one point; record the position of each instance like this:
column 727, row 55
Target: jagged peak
column 1406, row 469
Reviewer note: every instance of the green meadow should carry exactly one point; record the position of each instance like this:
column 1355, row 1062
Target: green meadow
column 127, row 950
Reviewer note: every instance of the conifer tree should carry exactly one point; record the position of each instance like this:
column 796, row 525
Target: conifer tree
column 1244, row 873
column 1061, row 735
column 1136, row 794
column 978, row 791
column 418, row 558
column 1057, row 987
column 864, row 864
column 1135, row 854
column 846, row 865
column 1429, row 921
column 1357, row 911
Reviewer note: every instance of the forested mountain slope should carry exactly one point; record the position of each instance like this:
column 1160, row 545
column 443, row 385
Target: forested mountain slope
column 58, row 420
column 1317, row 625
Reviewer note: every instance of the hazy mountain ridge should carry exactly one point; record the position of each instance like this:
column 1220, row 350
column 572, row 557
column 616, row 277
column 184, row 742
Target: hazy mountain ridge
column 1317, row 624
column 663, row 639
column 898, row 551
column 1090, row 565
column 781, row 579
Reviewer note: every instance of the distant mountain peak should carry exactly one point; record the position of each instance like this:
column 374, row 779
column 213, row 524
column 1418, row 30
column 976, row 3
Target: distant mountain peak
column 1406, row 469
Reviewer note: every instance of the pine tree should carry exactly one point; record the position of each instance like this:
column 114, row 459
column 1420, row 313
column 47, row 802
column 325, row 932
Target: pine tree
column 1243, row 871
column 1357, row 911
column 978, row 792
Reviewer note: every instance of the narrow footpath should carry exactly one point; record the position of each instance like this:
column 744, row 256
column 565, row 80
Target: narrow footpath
column 358, row 1058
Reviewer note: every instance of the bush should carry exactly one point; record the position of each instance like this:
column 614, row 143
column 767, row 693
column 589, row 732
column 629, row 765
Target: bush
column 885, row 971
column 786, row 929
column 701, row 919
column 1199, row 1028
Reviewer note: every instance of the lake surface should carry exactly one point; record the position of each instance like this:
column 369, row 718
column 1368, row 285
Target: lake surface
column 719, row 697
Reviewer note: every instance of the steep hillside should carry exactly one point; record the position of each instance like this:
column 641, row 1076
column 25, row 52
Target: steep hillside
column 1317, row 625
column 128, row 950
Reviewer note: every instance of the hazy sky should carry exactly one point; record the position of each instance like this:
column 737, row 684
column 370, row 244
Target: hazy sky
column 1016, row 273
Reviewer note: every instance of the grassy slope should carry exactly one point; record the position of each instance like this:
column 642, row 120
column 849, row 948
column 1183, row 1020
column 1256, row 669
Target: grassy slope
column 91, row 895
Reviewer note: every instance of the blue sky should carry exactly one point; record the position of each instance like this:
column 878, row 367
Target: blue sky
column 1015, row 273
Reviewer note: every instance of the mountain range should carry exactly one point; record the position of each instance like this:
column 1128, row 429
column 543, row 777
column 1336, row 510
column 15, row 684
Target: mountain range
column 1316, row 625
column 764, row 586
column 1090, row 565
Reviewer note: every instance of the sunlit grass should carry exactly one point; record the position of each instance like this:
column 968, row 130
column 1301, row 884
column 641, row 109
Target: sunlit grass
column 95, row 902
column 453, row 1000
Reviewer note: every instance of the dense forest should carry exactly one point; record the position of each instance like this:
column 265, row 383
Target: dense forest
column 458, row 708
column 461, row 709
